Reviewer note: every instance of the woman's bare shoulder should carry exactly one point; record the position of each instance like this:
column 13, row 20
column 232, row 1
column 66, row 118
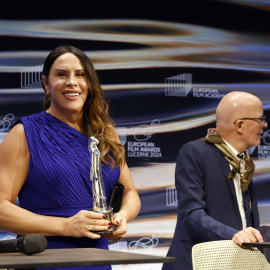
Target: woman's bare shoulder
column 15, row 138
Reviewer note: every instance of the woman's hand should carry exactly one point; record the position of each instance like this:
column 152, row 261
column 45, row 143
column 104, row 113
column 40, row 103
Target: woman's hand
column 120, row 233
column 84, row 224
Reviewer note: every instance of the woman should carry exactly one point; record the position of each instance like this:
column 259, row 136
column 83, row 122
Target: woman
column 45, row 161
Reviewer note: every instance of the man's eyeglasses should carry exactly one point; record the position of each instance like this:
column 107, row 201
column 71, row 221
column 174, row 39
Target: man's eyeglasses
column 262, row 119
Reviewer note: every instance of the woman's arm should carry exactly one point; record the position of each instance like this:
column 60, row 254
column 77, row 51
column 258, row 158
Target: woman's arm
column 130, row 207
column 131, row 203
column 14, row 165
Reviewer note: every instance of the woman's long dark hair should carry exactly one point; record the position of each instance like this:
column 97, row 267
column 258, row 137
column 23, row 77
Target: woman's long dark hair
column 96, row 120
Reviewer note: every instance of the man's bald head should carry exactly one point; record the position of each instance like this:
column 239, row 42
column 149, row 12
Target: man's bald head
column 235, row 106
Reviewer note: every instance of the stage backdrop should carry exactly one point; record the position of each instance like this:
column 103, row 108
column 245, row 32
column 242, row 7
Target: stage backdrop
column 163, row 68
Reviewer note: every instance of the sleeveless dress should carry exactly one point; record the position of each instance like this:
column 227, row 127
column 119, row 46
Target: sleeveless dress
column 58, row 182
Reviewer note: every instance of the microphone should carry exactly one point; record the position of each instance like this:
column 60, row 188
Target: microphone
column 28, row 244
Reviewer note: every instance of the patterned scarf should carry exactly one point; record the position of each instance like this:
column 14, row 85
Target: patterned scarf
column 245, row 167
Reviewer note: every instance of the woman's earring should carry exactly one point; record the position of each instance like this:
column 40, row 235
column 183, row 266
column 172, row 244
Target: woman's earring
column 48, row 93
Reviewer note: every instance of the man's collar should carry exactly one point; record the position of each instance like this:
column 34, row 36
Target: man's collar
column 232, row 148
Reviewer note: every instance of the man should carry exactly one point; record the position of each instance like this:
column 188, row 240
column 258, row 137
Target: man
column 215, row 192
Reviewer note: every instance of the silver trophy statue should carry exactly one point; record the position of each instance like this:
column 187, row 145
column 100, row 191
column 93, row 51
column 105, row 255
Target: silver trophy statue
column 99, row 198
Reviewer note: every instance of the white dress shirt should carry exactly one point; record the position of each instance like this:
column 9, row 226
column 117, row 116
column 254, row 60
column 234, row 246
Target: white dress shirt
column 238, row 190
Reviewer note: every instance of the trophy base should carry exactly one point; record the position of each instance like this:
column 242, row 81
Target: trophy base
column 109, row 213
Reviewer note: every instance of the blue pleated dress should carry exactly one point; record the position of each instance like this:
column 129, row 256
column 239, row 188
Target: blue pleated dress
column 58, row 182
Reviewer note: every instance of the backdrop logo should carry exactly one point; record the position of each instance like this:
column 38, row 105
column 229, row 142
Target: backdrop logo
column 145, row 132
column 146, row 243
column 264, row 147
column 261, row 151
column 178, row 85
column 206, row 92
column 171, row 196
column 6, row 122
column 119, row 246
column 5, row 125
column 142, row 147
column 31, row 77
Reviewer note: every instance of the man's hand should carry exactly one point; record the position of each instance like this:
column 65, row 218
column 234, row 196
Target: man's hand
column 248, row 235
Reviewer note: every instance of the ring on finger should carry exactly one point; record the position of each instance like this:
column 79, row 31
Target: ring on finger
column 89, row 227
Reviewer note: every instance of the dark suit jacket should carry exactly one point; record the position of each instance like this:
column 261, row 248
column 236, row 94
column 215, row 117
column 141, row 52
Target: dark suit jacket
column 207, row 204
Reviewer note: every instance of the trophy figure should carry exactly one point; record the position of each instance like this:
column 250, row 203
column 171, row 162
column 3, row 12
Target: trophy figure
column 99, row 198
